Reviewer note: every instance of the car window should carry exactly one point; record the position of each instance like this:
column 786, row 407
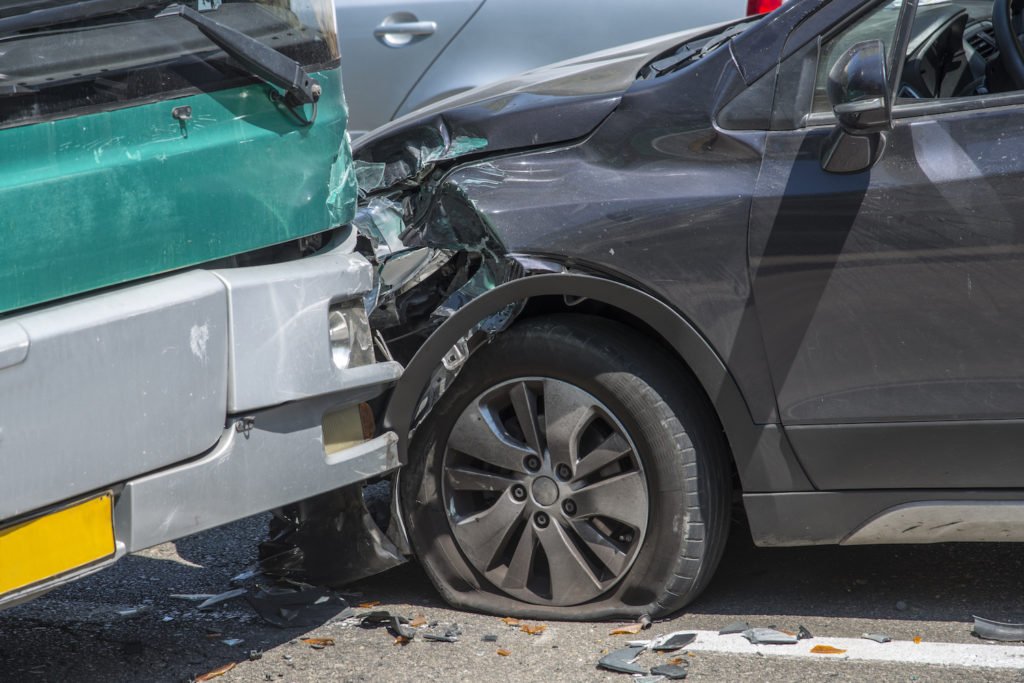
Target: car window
column 880, row 23
column 128, row 57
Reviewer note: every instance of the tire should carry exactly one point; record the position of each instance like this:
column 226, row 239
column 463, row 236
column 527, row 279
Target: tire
column 605, row 393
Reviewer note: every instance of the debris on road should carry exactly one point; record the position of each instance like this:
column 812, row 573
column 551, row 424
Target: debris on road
column 622, row 661
column 255, row 655
column 511, row 621
column 319, row 643
column 215, row 673
column 803, row 634
column 877, row 637
column 769, row 636
column 826, row 650
column 669, row 642
column 370, row 604
column 734, row 627
column 918, row 640
column 232, row 642
column 503, row 652
column 418, row 621
column 673, row 672
column 630, row 630
column 192, row 597
column 215, row 600
column 533, row 629
column 1005, row 632
column 489, row 639
column 299, row 605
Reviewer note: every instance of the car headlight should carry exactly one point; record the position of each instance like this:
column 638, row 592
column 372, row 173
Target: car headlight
column 351, row 339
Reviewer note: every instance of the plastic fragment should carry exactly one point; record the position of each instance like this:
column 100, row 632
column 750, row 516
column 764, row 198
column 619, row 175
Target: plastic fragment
column 769, row 636
column 734, row 627
column 673, row 672
column 503, row 652
column 250, row 573
column 803, row 634
column 402, row 640
column 622, row 661
column 306, row 606
column 232, row 642
column 672, row 642
column 132, row 612
column 998, row 630
column 826, row 650
column 192, row 597
column 418, row 620
column 223, row 597
column 255, row 655
column 440, row 638
column 370, row 604
column 631, row 629
column 489, row 639
column 319, row 643
column 511, row 621
column 917, row 640
column 215, row 673
column 877, row 637
column 533, row 629
column 648, row 679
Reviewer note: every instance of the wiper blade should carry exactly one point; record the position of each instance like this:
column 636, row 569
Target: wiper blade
column 64, row 14
column 261, row 60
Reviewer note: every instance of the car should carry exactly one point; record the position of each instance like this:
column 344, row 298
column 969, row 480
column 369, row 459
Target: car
column 409, row 53
column 777, row 261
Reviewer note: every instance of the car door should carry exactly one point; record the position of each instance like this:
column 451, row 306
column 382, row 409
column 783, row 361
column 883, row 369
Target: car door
column 892, row 300
column 387, row 45
column 507, row 37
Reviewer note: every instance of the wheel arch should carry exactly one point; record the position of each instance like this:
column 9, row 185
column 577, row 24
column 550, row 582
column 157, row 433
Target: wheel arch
column 760, row 453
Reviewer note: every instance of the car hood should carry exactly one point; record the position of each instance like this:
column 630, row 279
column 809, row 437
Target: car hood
column 547, row 105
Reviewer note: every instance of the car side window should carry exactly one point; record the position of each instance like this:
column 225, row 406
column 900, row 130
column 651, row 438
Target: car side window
column 880, row 23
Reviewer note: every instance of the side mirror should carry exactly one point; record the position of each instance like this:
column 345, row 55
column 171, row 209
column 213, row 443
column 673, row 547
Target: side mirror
column 858, row 88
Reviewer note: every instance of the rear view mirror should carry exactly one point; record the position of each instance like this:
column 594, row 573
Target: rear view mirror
column 858, row 88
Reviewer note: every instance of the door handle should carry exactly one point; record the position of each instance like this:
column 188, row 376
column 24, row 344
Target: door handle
column 406, row 28
column 403, row 28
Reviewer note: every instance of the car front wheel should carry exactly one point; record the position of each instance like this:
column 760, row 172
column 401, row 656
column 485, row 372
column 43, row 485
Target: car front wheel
column 574, row 469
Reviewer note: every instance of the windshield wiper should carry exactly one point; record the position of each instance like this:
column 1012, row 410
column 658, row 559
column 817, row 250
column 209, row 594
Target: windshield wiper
column 260, row 60
column 65, row 14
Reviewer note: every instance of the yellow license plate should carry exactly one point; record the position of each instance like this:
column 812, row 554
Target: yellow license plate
column 55, row 543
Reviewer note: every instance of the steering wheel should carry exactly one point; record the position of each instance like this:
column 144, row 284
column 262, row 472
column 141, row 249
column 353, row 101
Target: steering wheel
column 1011, row 52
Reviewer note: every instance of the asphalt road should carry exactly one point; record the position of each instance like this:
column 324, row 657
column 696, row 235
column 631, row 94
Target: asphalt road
column 123, row 625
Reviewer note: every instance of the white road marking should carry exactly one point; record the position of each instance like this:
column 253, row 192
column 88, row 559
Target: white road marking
column 995, row 656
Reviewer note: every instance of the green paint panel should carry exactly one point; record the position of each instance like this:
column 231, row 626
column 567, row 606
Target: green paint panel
column 107, row 198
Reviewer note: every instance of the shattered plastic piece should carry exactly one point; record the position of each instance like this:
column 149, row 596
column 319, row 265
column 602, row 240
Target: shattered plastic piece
column 803, row 634
column 673, row 672
column 223, row 597
column 503, row 652
column 877, row 637
column 768, row 636
column 215, row 673
column 648, row 679
column 418, row 620
column 630, row 630
column 382, row 222
column 997, row 630
column 402, row 640
column 734, row 627
column 192, row 597
column 306, row 606
column 250, row 573
column 533, row 629
column 672, row 642
column 369, row 604
column 437, row 638
column 622, row 661
column 132, row 612
column 489, row 639
column 511, row 621
column 827, row 650
column 319, row 643
column 232, row 642
column 255, row 655
column 917, row 640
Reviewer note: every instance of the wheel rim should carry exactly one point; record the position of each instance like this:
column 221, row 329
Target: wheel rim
column 544, row 491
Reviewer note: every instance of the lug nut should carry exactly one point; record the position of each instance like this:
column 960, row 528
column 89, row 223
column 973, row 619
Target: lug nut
column 541, row 519
column 563, row 472
column 569, row 507
column 532, row 463
column 519, row 492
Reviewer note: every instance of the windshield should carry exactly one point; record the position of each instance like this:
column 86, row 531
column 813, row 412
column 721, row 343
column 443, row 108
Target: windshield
column 122, row 53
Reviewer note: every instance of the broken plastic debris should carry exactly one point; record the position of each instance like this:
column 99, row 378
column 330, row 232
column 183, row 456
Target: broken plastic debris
column 223, row 597
column 877, row 637
column 232, row 642
column 370, row 604
column 672, row 642
column 418, row 620
column 734, row 627
column 215, row 673
column 826, row 650
column 304, row 606
column 648, row 679
column 503, row 652
column 673, row 672
column 440, row 638
column 402, row 640
column 319, row 643
column 631, row 629
column 803, row 634
column 511, row 621
column 192, row 597
column 622, row 661
column 489, row 639
column 917, row 640
column 132, row 612
column 768, row 636
column 250, row 573
column 255, row 655
column 998, row 630
column 533, row 629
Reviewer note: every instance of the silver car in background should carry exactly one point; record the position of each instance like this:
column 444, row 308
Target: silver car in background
column 399, row 55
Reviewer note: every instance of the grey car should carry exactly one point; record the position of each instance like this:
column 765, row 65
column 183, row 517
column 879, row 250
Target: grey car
column 411, row 53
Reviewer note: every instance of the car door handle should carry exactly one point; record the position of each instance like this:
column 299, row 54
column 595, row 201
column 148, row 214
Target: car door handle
column 406, row 28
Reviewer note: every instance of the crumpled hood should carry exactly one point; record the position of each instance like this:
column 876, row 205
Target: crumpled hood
column 551, row 104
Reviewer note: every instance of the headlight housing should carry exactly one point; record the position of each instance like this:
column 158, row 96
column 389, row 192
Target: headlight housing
column 350, row 335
